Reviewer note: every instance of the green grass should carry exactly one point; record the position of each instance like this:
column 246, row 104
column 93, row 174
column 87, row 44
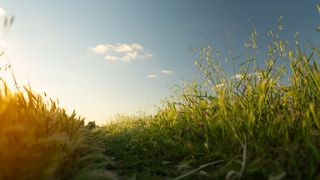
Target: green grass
column 262, row 122
column 259, row 122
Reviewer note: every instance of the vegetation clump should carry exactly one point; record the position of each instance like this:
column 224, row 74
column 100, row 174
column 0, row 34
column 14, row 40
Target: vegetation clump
column 259, row 121
column 39, row 140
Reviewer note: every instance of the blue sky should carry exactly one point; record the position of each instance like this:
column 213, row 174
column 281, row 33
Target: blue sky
column 122, row 56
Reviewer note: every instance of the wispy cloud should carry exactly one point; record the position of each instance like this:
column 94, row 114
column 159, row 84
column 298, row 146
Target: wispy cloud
column 241, row 76
column 166, row 71
column 100, row 49
column 2, row 12
column 257, row 74
column 237, row 76
column 110, row 58
column 152, row 76
column 121, row 52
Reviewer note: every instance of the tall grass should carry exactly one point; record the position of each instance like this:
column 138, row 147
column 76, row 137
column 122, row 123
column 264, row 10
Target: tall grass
column 257, row 122
column 39, row 140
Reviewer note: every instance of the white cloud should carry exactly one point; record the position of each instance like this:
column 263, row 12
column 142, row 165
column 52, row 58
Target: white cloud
column 237, row 76
column 137, row 46
column 257, row 74
column 166, row 71
column 110, row 58
column 128, row 57
column 100, row 49
column 152, row 76
column 2, row 12
column 122, row 48
column 241, row 76
column 149, row 55
column 121, row 52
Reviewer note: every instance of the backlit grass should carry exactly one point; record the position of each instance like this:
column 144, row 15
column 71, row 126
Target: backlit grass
column 39, row 140
column 259, row 122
